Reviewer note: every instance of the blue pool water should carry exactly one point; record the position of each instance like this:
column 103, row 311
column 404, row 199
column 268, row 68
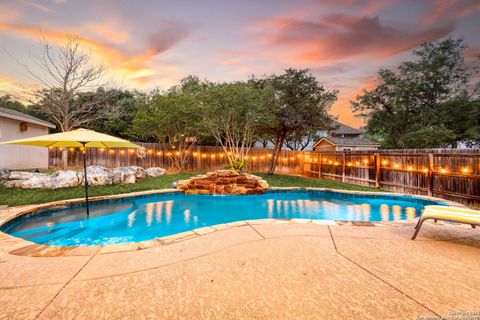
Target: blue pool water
column 148, row 217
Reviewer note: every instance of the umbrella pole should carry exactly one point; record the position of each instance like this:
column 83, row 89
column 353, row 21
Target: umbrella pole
column 85, row 175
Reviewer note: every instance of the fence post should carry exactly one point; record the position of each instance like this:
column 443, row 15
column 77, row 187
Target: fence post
column 377, row 170
column 343, row 166
column 430, row 174
column 320, row 166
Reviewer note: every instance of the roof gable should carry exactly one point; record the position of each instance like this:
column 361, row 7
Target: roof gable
column 344, row 142
column 344, row 129
column 20, row 116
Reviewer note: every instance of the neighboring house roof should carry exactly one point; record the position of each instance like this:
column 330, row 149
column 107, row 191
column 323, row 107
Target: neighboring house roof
column 345, row 142
column 344, row 129
column 20, row 116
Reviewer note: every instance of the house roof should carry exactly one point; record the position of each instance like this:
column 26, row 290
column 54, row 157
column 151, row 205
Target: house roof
column 20, row 116
column 345, row 142
column 344, row 129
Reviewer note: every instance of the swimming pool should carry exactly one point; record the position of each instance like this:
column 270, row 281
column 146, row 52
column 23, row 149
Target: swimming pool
column 152, row 216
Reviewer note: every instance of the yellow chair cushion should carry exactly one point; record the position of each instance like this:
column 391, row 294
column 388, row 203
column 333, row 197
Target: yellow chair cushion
column 456, row 214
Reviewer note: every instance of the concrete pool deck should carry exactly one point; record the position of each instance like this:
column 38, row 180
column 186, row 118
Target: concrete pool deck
column 276, row 270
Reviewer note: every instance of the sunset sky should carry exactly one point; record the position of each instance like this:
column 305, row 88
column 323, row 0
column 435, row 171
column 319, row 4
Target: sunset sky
column 148, row 44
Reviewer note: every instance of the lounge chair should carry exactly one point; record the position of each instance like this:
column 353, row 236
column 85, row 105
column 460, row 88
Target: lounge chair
column 452, row 214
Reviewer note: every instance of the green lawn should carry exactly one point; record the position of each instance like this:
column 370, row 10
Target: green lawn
column 15, row 197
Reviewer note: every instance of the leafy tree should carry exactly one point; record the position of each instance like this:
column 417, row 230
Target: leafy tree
column 123, row 105
column 232, row 113
column 297, row 104
column 419, row 105
column 300, row 140
column 9, row 103
column 171, row 118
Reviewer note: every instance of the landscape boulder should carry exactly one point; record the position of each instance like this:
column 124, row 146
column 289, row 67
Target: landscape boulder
column 154, row 172
column 13, row 183
column 139, row 172
column 224, row 182
column 125, row 175
column 23, row 175
column 65, row 178
column 39, row 181
column 97, row 176
column 4, row 174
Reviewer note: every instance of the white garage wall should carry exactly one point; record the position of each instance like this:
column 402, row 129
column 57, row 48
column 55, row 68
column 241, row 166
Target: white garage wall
column 21, row 157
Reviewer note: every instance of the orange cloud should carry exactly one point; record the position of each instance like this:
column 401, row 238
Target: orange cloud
column 109, row 30
column 135, row 68
column 9, row 85
column 449, row 10
column 343, row 108
column 337, row 37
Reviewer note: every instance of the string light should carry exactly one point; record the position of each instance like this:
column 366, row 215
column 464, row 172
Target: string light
column 465, row 170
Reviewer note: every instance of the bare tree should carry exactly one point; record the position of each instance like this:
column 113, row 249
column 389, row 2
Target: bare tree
column 65, row 72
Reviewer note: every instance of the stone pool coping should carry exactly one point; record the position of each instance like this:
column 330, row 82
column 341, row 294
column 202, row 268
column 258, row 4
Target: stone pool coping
column 22, row 247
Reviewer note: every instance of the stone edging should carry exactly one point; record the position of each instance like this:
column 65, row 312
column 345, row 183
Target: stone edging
column 22, row 247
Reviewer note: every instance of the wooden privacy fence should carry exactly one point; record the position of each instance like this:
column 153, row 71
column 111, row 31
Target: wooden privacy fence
column 445, row 173
column 200, row 158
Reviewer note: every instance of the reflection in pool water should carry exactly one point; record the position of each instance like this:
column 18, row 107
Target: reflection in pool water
column 148, row 217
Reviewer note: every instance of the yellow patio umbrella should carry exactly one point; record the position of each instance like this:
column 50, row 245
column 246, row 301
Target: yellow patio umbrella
column 79, row 138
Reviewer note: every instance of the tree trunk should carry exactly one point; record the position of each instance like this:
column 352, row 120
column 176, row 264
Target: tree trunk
column 276, row 154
